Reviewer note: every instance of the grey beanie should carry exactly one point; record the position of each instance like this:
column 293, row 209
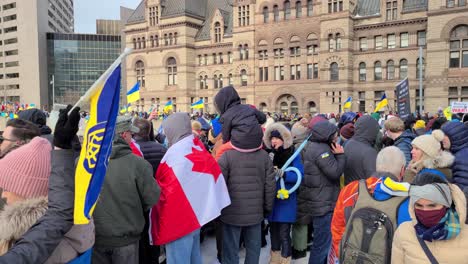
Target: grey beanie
column 436, row 192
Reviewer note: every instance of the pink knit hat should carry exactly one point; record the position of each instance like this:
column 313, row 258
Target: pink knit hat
column 25, row 171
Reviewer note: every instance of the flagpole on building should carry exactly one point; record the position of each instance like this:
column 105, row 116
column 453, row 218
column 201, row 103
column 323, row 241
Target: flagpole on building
column 420, row 80
column 92, row 89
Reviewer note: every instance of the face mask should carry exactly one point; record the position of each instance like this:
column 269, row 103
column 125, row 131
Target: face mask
column 430, row 218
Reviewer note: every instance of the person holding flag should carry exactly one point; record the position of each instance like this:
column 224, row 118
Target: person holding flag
column 168, row 107
column 348, row 103
column 383, row 103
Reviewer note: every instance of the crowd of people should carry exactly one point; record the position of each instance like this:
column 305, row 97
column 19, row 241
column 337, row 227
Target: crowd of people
column 371, row 188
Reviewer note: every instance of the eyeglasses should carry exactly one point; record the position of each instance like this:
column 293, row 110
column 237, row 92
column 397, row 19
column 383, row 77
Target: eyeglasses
column 7, row 139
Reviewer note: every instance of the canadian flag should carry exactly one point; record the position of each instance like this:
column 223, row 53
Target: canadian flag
column 193, row 192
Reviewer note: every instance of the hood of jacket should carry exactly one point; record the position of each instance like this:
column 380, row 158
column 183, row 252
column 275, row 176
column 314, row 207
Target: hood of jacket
column 406, row 136
column 177, row 127
column 458, row 198
column 366, row 130
column 322, row 131
column 284, row 132
column 17, row 218
column 37, row 117
column 120, row 148
column 457, row 132
column 226, row 98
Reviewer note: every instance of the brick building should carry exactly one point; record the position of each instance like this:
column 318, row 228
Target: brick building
column 298, row 55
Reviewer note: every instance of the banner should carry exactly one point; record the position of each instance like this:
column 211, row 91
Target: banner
column 403, row 99
column 459, row 107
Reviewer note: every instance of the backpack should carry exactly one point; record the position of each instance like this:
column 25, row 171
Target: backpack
column 369, row 231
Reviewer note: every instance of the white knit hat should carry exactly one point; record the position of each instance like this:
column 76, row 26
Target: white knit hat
column 430, row 144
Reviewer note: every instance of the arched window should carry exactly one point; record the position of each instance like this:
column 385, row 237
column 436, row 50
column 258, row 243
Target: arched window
column 459, row 47
column 276, row 13
column 266, row 14
column 331, row 43
column 171, row 71
column 241, row 52
column 134, row 43
column 298, row 9
column 284, row 108
column 175, row 38
column 166, row 41
column 246, row 51
column 202, row 82
column 156, row 40
column 377, row 71
column 170, row 39
column 419, row 67
column 309, row 7
column 206, row 81
column 390, row 70
column 243, row 75
column 334, row 72
column 362, row 72
column 152, row 41
column 338, row 41
column 215, row 81
column 230, row 80
column 294, row 108
column 140, row 72
column 403, row 69
column 287, row 10
column 143, row 42
column 220, row 80
column 139, row 43
column 217, row 32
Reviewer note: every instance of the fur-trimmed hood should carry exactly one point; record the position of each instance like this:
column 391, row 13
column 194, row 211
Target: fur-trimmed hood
column 17, row 218
column 285, row 134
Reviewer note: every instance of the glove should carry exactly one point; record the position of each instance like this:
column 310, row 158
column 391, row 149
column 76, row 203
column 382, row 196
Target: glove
column 278, row 172
column 66, row 127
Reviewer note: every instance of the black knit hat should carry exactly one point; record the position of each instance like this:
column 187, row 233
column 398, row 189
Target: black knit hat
column 276, row 134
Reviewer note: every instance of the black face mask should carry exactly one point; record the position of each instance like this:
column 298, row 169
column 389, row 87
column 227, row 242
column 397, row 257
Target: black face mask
column 387, row 141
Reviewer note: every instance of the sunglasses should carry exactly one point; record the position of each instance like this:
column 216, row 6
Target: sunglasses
column 7, row 139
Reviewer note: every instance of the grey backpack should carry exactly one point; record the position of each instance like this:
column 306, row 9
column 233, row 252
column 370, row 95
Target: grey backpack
column 369, row 230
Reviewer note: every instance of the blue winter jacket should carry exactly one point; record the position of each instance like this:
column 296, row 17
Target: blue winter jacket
column 284, row 211
column 458, row 134
column 403, row 142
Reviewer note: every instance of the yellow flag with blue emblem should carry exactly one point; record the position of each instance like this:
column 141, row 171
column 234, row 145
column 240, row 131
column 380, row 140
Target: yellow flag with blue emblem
column 97, row 143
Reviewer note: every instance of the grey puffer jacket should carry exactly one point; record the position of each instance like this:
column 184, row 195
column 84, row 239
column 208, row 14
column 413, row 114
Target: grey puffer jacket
column 251, row 183
column 153, row 152
column 322, row 170
column 359, row 150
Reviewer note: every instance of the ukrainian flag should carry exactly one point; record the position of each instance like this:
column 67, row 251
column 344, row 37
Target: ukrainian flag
column 168, row 107
column 198, row 105
column 126, row 109
column 134, row 94
column 383, row 102
column 347, row 103
column 97, row 143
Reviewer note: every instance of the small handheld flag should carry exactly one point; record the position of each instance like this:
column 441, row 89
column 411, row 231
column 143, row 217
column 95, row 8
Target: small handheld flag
column 347, row 103
column 134, row 94
column 383, row 102
column 198, row 105
column 168, row 107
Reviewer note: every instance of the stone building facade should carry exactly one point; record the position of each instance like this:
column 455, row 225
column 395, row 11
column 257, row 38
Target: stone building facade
column 298, row 55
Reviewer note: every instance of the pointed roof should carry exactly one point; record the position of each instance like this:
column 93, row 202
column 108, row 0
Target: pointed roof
column 367, row 8
column 138, row 15
column 172, row 8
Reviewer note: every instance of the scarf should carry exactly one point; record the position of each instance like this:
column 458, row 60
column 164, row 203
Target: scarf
column 448, row 228
column 282, row 155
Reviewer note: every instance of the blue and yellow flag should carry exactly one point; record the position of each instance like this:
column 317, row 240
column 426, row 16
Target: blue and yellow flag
column 134, row 94
column 347, row 103
column 383, row 102
column 126, row 109
column 97, row 145
column 168, row 107
column 198, row 105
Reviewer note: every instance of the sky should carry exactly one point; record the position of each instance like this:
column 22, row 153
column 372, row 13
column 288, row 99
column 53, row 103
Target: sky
column 87, row 11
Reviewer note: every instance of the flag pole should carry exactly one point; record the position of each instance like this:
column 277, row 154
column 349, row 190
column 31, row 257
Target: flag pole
column 93, row 88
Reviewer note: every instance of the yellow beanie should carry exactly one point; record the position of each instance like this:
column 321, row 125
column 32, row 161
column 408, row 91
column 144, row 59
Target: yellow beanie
column 420, row 124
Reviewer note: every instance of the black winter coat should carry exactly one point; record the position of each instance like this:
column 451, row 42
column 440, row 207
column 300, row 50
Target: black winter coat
column 251, row 183
column 322, row 170
column 153, row 152
column 240, row 123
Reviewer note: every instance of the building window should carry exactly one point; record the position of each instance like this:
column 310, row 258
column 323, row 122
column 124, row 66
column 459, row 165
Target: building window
column 392, row 7
column 217, row 32
column 377, row 71
column 266, row 15
column 220, row 81
column 404, row 40
column 166, row 41
column 244, row 78
column 206, row 81
column 140, row 72
column 276, row 13
column 230, row 80
column 230, row 57
column 215, row 59
column 202, row 83
column 335, row 6
column 310, row 71
column 246, row 51
column 418, row 67
column 244, row 15
column 338, row 41
column 362, row 72
column 295, row 72
column 403, row 69
column 295, row 51
column 362, row 101
column 205, row 59
column 316, row 71
column 459, row 47
column 287, row 10
column 298, row 9
column 421, row 38
column 331, row 43
column 450, row 3
column 171, row 40
column 143, row 42
column 390, row 70
column 175, row 38
column 309, row 7
column 221, row 60
column 378, row 42
column 171, row 71
column 278, row 53
column 152, row 41
column 263, row 74
column 153, row 15
column 215, row 81
column 362, row 44
column 391, row 42
column 263, row 54
column 279, row 73
column 134, row 43
column 312, row 49
column 334, row 72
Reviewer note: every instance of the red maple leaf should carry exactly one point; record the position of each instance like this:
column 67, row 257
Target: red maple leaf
column 203, row 162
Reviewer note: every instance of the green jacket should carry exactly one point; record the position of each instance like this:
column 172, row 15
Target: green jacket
column 130, row 191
